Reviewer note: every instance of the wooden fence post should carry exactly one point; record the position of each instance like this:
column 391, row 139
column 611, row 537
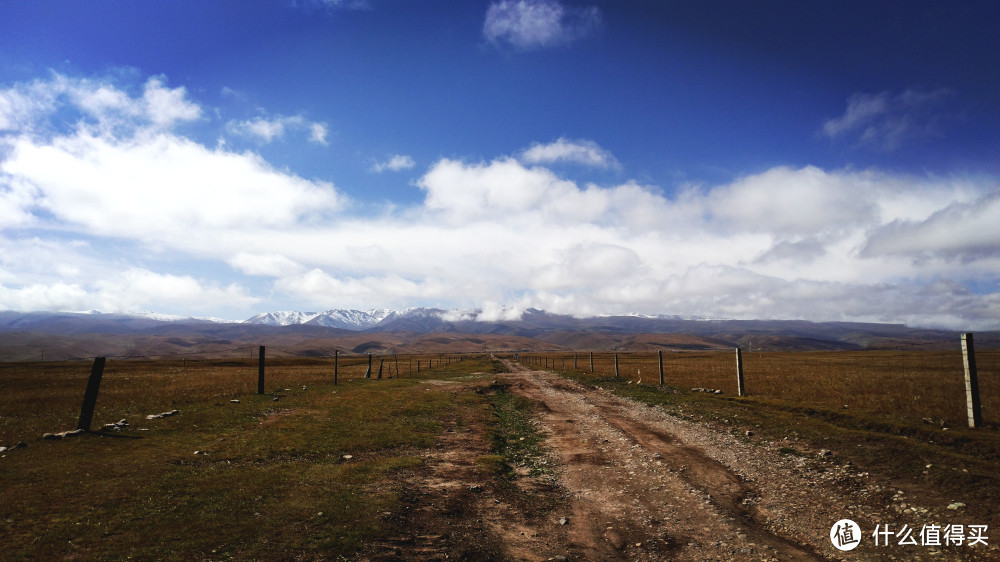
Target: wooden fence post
column 380, row 362
column 973, row 407
column 260, row 370
column 591, row 361
column 659, row 359
column 574, row 361
column 90, row 395
column 336, row 358
column 395, row 359
column 616, row 365
column 740, row 391
column 368, row 373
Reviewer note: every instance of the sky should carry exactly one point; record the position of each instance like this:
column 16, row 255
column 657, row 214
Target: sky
column 824, row 160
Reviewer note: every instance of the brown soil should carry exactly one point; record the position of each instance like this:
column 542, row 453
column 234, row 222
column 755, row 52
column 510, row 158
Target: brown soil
column 633, row 483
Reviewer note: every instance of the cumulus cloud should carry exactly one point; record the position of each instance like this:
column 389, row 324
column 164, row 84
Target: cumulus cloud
column 533, row 24
column 887, row 121
column 98, row 213
column 395, row 163
column 131, row 290
column 585, row 152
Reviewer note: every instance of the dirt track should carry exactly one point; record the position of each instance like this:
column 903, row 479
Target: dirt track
column 633, row 483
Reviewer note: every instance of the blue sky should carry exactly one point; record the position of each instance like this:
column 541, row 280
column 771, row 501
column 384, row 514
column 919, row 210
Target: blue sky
column 816, row 160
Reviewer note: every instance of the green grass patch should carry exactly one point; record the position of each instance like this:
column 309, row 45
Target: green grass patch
column 514, row 439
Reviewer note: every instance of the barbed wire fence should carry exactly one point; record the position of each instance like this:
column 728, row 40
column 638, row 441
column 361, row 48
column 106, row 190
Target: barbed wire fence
column 908, row 382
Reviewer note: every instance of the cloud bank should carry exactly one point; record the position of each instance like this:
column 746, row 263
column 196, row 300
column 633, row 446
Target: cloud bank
column 119, row 210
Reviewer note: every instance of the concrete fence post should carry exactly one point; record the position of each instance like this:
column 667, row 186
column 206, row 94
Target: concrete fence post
column 740, row 391
column 973, row 407
column 260, row 370
column 90, row 395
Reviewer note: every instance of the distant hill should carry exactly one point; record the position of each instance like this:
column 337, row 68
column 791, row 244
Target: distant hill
column 59, row 335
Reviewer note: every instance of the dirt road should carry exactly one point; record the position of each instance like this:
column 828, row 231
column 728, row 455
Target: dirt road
column 635, row 483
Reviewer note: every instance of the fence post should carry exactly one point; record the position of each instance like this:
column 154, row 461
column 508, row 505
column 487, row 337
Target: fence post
column 336, row 358
column 574, row 361
column 380, row 362
column 368, row 373
column 659, row 359
column 616, row 365
column 973, row 406
column 591, row 361
column 90, row 395
column 739, row 373
column 260, row 370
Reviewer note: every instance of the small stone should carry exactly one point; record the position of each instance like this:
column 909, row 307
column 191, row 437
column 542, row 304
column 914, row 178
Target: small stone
column 718, row 392
column 749, row 433
column 956, row 506
column 347, row 457
column 825, row 452
column 564, row 520
column 234, row 401
column 275, row 399
column 2, row 449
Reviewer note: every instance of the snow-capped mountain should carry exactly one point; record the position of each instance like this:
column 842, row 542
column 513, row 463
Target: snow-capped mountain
column 340, row 318
column 281, row 318
column 351, row 319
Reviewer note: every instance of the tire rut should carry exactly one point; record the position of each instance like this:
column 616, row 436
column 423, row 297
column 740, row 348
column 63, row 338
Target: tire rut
column 636, row 491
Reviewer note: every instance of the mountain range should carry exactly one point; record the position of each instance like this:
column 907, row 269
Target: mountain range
column 62, row 335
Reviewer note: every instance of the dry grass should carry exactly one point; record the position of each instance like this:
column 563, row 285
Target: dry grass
column 269, row 481
column 905, row 385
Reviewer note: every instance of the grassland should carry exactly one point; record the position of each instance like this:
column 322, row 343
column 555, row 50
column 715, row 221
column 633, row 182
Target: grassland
column 310, row 469
column 304, row 471
column 900, row 415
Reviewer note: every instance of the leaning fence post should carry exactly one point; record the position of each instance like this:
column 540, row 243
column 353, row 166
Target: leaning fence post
column 659, row 359
column 368, row 373
column 380, row 362
column 336, row 357
column 739, row 373
column 973, row 406
column 260, row 370
column 90, row 395
column 616, row 365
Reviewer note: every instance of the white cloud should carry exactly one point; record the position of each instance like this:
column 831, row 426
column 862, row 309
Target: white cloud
column 99, row 213
column 532, row 24
column 395, row 163
column 132, row 290
column 266, row 130
column 159, row 187
column 888, row 121
column 318, row 133
column 585, row 152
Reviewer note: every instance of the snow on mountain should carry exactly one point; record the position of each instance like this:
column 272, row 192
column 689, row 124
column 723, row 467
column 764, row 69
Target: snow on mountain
column 351, row 319
column 281, row 318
